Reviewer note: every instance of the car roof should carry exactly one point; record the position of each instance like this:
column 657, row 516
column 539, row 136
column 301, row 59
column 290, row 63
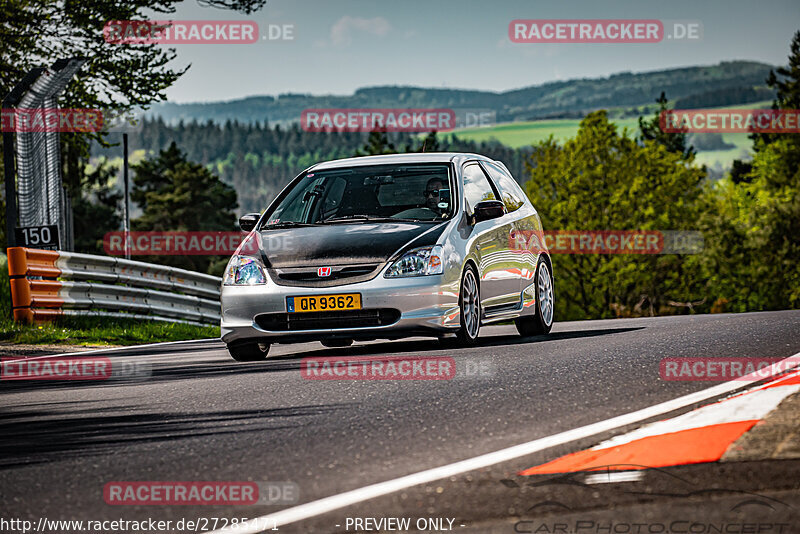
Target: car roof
column 388, row 159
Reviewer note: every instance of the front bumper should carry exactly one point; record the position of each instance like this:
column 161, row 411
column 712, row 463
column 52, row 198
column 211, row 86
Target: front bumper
column 426, row 305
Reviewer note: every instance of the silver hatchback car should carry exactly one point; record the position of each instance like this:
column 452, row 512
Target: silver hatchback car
column 384, row 247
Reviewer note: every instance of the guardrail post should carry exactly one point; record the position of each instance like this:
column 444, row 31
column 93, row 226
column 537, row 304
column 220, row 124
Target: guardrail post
column 20, row 286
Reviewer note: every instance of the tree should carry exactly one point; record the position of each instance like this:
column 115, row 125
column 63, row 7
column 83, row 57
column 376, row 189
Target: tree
column 178, row 195
column 786, row 84
column 152, row 175
column 604, row 180
column 429, row 144
column 96, row 207
column 245, row 6
column 740, row 171
column 754, row 260
column 259, row 160
column 650, row 130
column 377, row 144
column 36, row 33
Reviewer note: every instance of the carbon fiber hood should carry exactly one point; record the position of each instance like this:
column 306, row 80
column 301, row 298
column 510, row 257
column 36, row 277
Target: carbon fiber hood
column 343, row 244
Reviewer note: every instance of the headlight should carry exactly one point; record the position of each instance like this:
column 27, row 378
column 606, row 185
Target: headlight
column 245, row 271
column 418, row 262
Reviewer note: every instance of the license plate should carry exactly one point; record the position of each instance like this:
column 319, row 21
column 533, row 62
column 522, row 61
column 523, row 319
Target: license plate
column 347, row 301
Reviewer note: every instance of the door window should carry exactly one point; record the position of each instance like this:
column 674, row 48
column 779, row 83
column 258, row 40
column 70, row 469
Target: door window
column 510, row 193
column 476, row 187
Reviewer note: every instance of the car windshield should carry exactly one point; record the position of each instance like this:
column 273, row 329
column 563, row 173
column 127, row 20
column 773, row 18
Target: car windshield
column 367, row 193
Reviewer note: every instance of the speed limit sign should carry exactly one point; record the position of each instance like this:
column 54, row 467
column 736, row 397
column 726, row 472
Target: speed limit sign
column 37, row 236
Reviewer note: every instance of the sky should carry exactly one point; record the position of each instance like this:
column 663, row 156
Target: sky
column 341, row 45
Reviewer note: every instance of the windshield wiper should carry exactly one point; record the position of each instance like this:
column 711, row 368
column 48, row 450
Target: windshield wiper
column 372, row 218
column 355, row 217
column 400, row 219
column 286, row 224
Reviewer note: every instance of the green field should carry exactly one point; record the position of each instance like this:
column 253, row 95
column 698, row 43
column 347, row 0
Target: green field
column 519, row 134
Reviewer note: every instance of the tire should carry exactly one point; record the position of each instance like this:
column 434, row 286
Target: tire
column 469, row 300
column 542, row 321
column 336, row 343
column 249, row 351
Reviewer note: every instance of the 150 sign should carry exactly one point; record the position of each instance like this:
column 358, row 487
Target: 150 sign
column 37, row 236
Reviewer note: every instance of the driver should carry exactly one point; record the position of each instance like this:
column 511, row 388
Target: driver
column 432, row 195
column 431, row 209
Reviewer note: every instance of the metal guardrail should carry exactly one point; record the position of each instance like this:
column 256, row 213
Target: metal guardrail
column 48, row 284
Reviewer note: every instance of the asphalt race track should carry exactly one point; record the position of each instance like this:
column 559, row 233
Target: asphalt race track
column 201, row 416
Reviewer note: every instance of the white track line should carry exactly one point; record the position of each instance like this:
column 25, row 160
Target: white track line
column 349, row 498
column 126, row 347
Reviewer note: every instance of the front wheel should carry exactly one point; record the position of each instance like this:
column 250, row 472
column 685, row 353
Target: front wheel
column 470, row 302
column 542, row 321
column 248, row 351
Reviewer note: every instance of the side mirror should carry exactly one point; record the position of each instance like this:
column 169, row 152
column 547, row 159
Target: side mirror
column 489, row 209
column 248, row 222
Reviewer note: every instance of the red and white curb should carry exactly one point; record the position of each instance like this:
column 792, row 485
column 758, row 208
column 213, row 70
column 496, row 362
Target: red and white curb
column 702, row 435
column 358, row 495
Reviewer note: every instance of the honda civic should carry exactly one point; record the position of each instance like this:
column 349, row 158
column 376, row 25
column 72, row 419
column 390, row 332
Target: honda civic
column 385, row 247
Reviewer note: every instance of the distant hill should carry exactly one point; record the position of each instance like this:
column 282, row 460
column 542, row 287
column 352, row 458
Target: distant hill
column 731, row 82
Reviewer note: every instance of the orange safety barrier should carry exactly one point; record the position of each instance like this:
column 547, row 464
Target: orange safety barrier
column 48, row 284
column 32, row 262
column 26, row 293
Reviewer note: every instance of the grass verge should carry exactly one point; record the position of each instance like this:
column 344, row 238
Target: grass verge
column 101, row 331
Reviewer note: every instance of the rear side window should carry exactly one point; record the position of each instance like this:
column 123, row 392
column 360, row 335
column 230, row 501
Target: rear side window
column 476, row 187
column 510, row 192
